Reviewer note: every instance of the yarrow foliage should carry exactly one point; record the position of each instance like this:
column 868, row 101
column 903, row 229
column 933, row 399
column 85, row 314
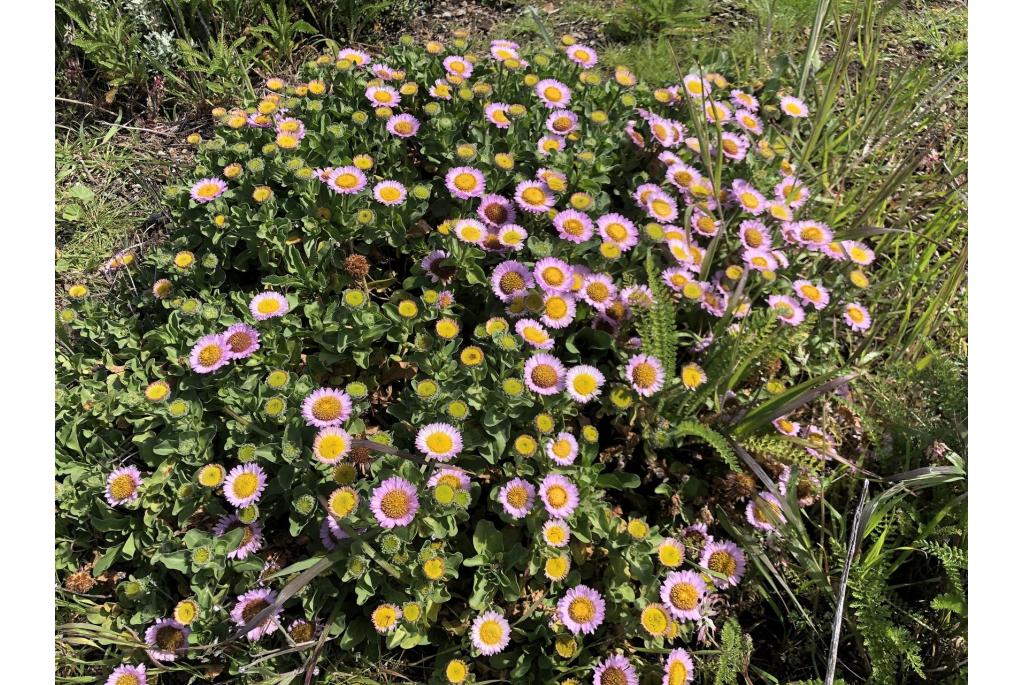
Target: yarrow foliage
column 400, row 333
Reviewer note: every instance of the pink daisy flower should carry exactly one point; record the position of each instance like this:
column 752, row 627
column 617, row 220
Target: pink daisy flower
column 615, row 670
column 554, row 94
column 682, row 593
column 661, row 207
column 562, row 122
column 252, row 535
column 744, row 100
column 326, row 407
column 496, row 210
column 734, row 146
column 244, row 485
column 331, row 444
column 544, row 374
column 249, row 605
column 787, row 309
column 810, row 294
column 510, row 280
column 331, row 533
column 563, row 448
column 574, row 226
column 383, row 96
column 599, row 291
column 548, row 144
column 755, row 235
column 858, row 252
column 534, row 197
column 760, row 260
column 517, row 497
column 357, row 57
column 497, row 114
column 793, row 107
column 748, row 121
column 394, row 503
column 553, row 275
column 748, row 197
column 490, row 633
column 433, row 265
column 403, row 125
column 241, row 340
column 696, row 86
column 459, row 66
column 792, row 191
column 464, row 182
column 534, row 334
column 676, row 277
column 346, row 180
column 389, row 193
column 682, row 176
column 581, row 55
column 581, row 610
column 167, row 639
column 812, row 234
column 615, row 228
column 724, row 558
column 512, row 236
column 210, row 353
column 207, row 190
column 456, row 478
column 556, row 533
column 678, row 668
column 560, row 495
column 584, row 383
column 704, row 224
column 123, row 485
column 808, row 487
column 439, row 441
column 856, row 316
column 785, row 426
column 127, row 675
column 559, row 310
column 764, row 511
column 267, row 305
column 645, row 374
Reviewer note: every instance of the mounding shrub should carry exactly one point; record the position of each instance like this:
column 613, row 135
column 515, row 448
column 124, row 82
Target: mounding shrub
column 432, row 360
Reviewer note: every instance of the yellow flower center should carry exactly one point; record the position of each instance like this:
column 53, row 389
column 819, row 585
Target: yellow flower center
column 754, row 237
column 684, row 596
column 544, row 376
column 327, row 408
column 810, row 292
column 766, row 511
column 812, row 234
column 208, row 190
column 582, row 610
column 654, row 620
column 562, row 448
column 598, row 291
column 491, row 632
column 644, row 375
column 395, row 504
column 535, row 335
column 557, row 496
column 730, row 146
column 157, row 392
column 210, row 355
column 346, row 181
column 122, row 487
column 692, row 377
column 382, row 96
column 343, row 501
column 792, row 108
column 555, row 535
column 433, row 568
column 748, row 200
column 390, row 194
column 616, row 231
column 614, row 676
column 245, row 485
column 695, row 87
column 268, row 305
column 456, row 671
column 553, row 94
column 465, row 181
column 670, row 555
column 127, row 679
column 677, row 673
column 722, row 562
column 211, row 476
column 439, row 442
column 533, row 196
column 239, row 341
column 517, row 496
column 384, row 617
column 856, row 314
column 185, row 612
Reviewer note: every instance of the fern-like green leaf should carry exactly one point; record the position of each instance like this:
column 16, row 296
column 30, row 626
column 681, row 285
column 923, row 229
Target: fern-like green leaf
column 713, row 438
